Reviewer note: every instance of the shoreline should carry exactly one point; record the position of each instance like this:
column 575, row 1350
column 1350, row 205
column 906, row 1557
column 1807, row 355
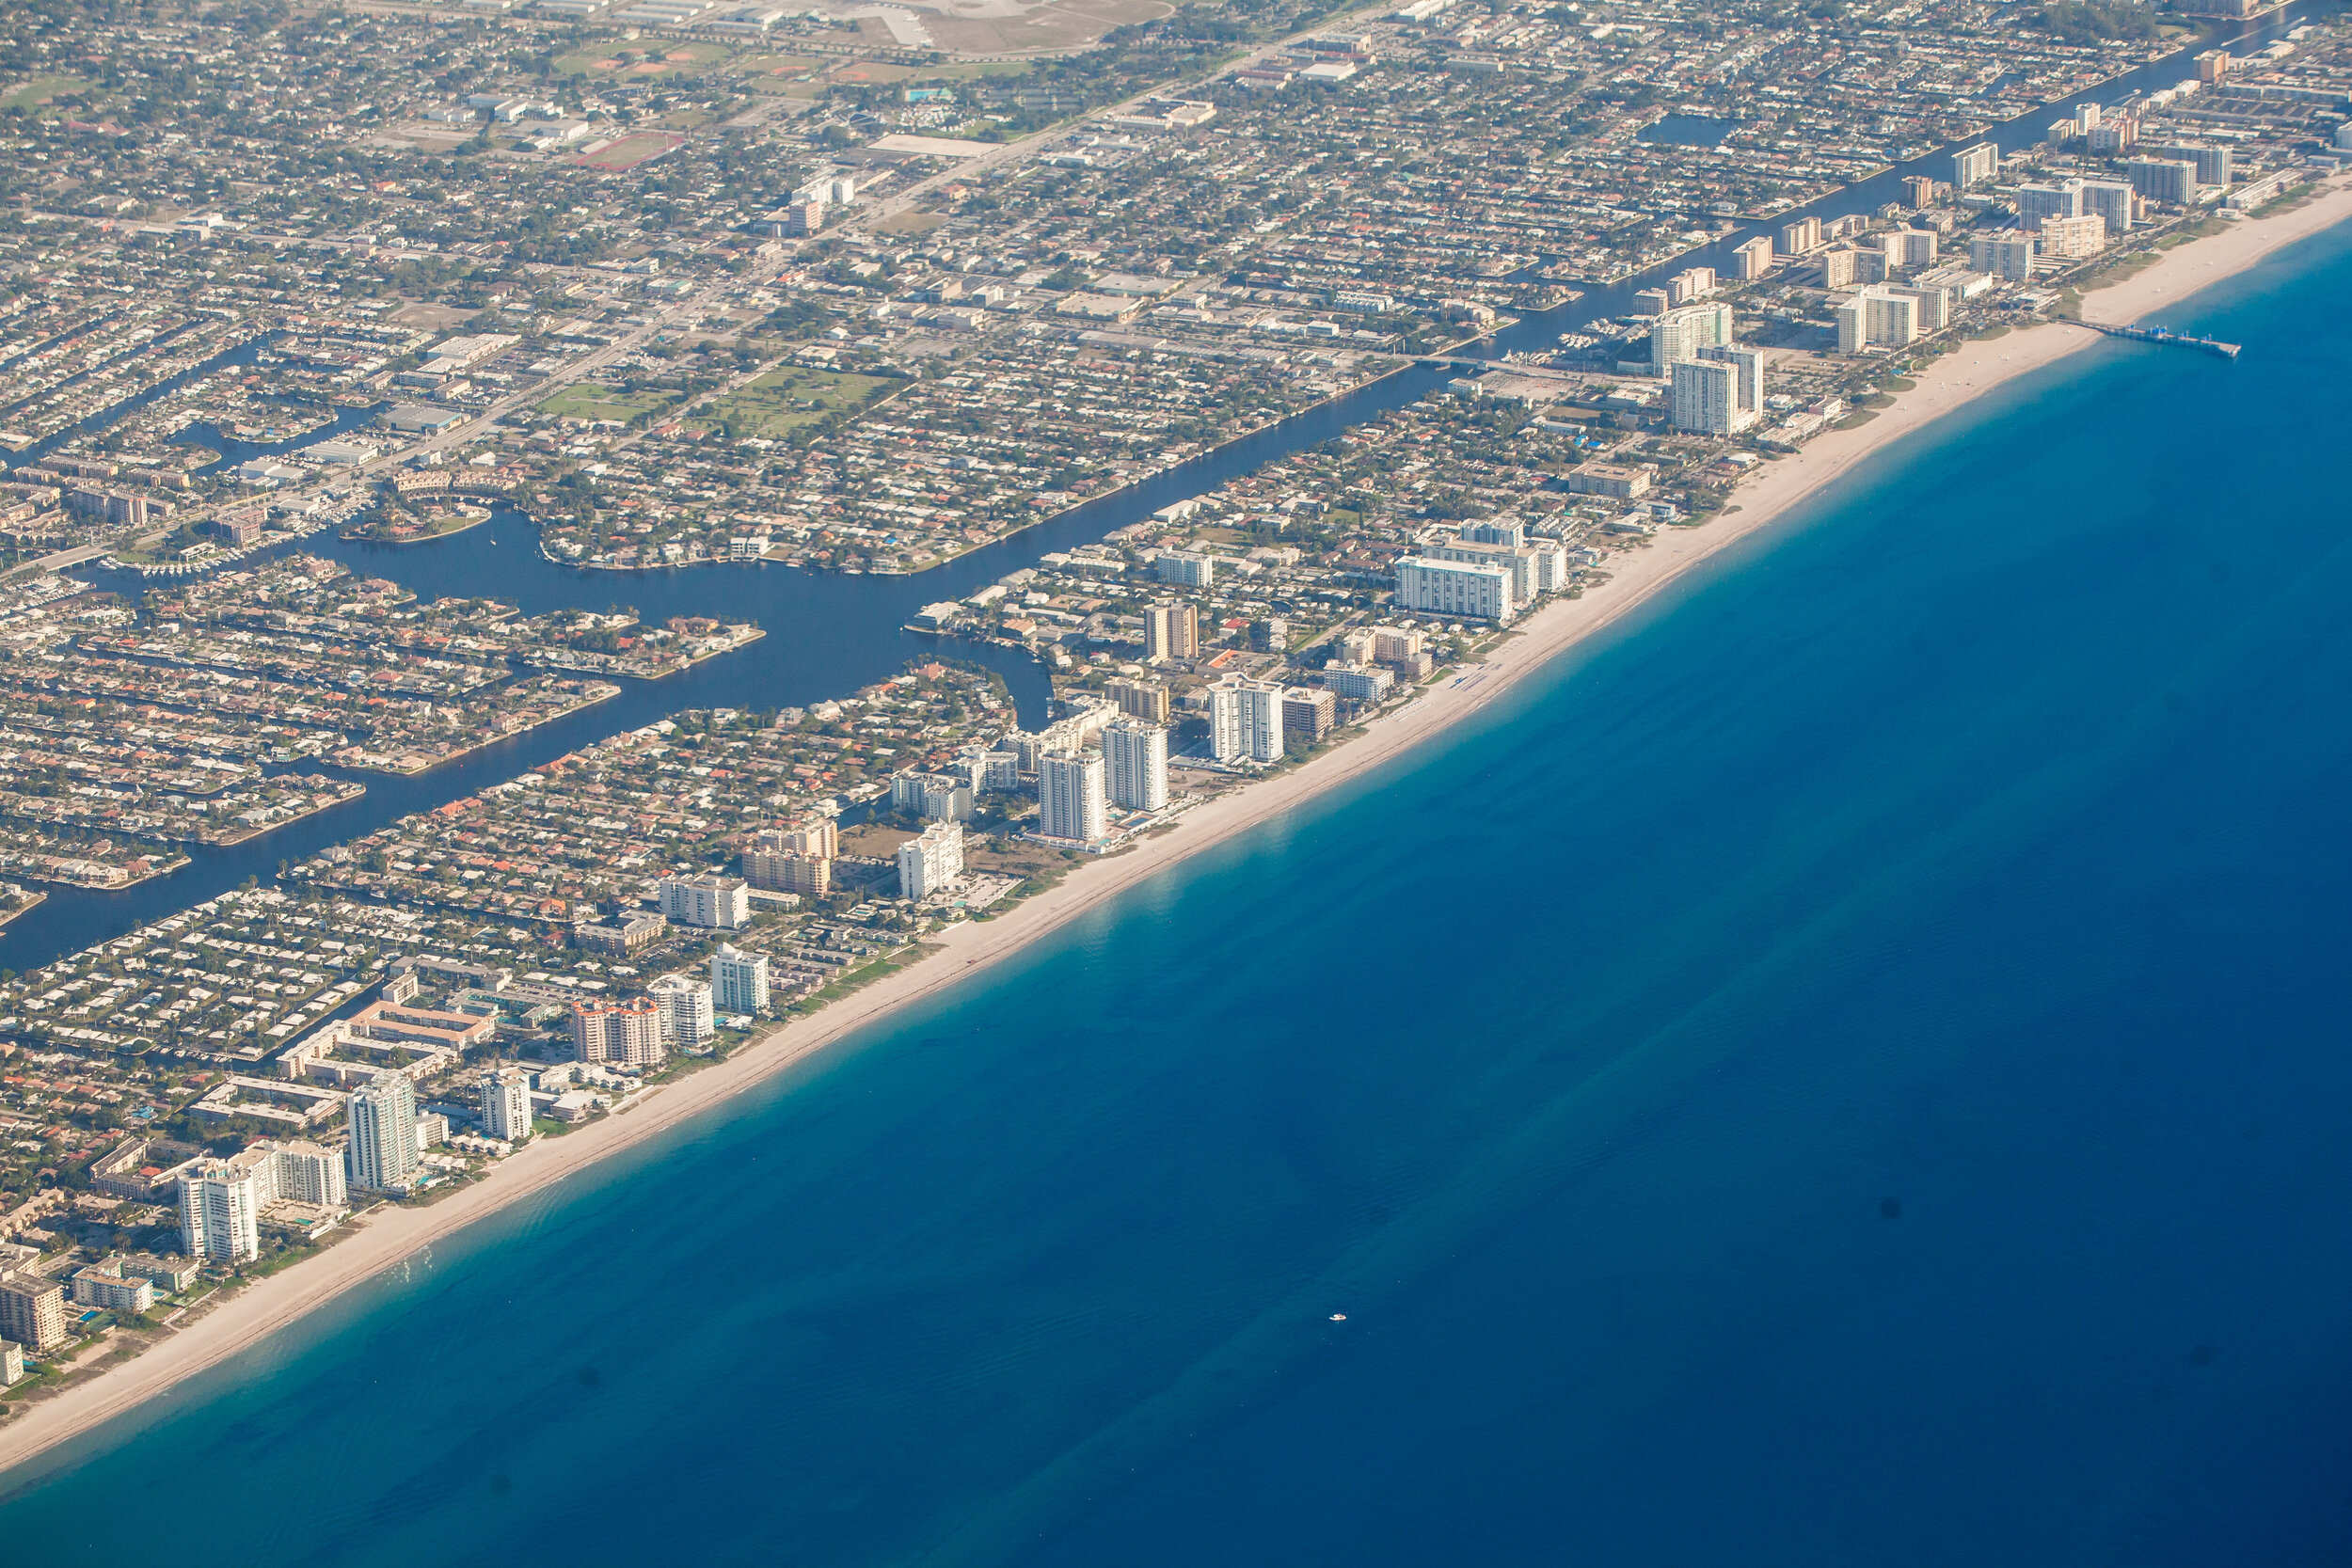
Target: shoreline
column 1950, row 383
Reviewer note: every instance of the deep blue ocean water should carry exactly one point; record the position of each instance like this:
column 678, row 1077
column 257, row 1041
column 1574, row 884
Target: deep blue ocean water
column 1851, row 1070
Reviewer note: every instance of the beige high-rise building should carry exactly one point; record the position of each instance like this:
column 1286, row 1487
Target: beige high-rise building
column 819, row 836
column 1171, row 631
column 1801, row 237
column 625, row 1030
column 2073, row 238
column 1144, row 699
column 31, row 1310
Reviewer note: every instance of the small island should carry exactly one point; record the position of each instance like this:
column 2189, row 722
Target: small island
column 393, row 523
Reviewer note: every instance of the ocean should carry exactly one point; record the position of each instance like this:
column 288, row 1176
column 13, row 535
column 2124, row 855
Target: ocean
column 1847, row 1068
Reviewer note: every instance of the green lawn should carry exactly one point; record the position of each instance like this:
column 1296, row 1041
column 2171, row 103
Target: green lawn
column 775, row 65
column 791, row 396
column 39, row 87
column 594, row 400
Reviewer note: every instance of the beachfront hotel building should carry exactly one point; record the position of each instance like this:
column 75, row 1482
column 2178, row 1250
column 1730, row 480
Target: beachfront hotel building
column 220, row 1206
column 31, row 1310
column 306, row 1172
column 1432, row 587
column 1134, row 756
column 382, row 1154
column 687, row 1016
column 1719, row 394
column 2169, row 180
column 506, row 1104
column 1071, row 800
column 931, row 860
column 627, row 1030
column 2110, row 202
column 1246, row 718
column 738, row 981
column 1877, row 317
column 2009, row 257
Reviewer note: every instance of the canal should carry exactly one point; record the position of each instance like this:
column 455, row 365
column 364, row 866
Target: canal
column 830, row 633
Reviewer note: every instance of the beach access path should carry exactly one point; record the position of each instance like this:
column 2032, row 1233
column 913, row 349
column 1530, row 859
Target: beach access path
column 388, row 1235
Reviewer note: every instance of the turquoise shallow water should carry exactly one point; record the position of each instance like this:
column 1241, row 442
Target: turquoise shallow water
column 1851, row 1070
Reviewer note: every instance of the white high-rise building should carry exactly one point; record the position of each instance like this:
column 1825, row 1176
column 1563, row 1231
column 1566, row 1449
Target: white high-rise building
column 1435, row 587
column 2169, row 180
column 2110, row 200
column 2037, row 202
column 1748, row 365
column 1134, row 754
column 686, row 1012
column 1878, row 317
column 1971, row 164
column 506, row 1104
column 933, row 859
column 1071, row 798
column 709, row 901
column 2005, row 256
column 1704, row 398
column 220, row 1208
column 1680, row 333
column 738, row 981
column 1909, row 248
column 308, row 1173
column 1246, row 717
column 382, row 1154
column 1719, row 394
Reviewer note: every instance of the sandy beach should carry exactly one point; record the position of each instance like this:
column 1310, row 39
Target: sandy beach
column 387, row 1236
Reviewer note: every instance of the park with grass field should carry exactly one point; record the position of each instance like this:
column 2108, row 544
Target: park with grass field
column 40, row 89
column 594, row 400
column 620, row 60
column 791, row 396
